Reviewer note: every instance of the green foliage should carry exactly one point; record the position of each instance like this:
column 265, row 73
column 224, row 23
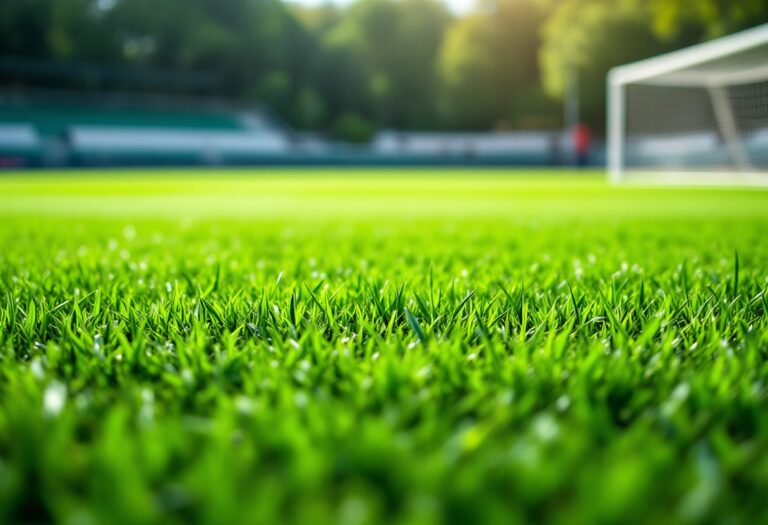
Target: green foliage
column 406, row 64
column 61, row 30
column 396, row 44
column 353, row 128
column 377, row 347
column 586, row 38
column 467, row 68
column 489, row 68
column 707, row 18
column 582, row 39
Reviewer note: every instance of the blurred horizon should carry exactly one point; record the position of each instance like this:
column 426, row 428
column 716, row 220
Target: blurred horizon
column 349, row 68
column 509, row 82
column 456, row 7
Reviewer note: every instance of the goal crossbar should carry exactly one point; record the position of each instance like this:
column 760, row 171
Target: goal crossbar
column 713, row 80
column 646, row 70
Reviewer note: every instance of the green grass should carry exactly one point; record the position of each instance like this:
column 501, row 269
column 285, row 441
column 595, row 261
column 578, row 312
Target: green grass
column 380, row 347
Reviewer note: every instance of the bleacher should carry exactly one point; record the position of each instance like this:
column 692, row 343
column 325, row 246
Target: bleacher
column 531, row 148
column 73, row 129
column 128, row 131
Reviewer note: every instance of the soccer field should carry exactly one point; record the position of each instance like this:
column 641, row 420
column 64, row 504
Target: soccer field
column 380, row 346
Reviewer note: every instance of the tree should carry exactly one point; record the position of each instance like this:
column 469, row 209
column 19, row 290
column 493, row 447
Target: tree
column 706, row 18
column 489, row 68
column 467, row 69
column 404, row 64
column 589, row 37
column 395, row 44
column 55, row 30
column 586, row 38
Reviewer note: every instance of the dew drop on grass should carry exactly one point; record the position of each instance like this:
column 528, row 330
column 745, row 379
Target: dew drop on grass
column 54, row 398
column 545, row 428
column 187, row 376
column 147, row 410
column 678, row 397
column 36, row 367
column 244, row 405
column 300, row 399
column 129, row 232
column 505, row 398
column 424, row 372
column 147, row 396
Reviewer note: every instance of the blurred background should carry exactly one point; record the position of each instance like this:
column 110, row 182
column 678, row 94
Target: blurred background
column 227, row 82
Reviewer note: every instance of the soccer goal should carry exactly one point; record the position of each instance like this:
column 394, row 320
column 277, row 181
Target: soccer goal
column 694, row 116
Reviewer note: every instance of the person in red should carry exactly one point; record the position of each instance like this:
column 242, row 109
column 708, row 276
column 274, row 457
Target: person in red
column 582, row 143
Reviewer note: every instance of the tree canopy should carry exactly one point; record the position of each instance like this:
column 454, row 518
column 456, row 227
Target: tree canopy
column 405, row 64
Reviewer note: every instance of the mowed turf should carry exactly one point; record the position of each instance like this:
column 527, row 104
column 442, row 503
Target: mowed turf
column 352, row 346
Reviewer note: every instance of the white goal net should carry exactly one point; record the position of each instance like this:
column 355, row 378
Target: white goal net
column 695, row 116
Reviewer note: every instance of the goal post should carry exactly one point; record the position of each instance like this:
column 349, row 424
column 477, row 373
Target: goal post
column 694, row 116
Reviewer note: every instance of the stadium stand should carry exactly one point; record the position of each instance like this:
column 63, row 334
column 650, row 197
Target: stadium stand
column 19, row 145
column 59, row 128
column 18, row 137
column 72, row 131
column 519, row 147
